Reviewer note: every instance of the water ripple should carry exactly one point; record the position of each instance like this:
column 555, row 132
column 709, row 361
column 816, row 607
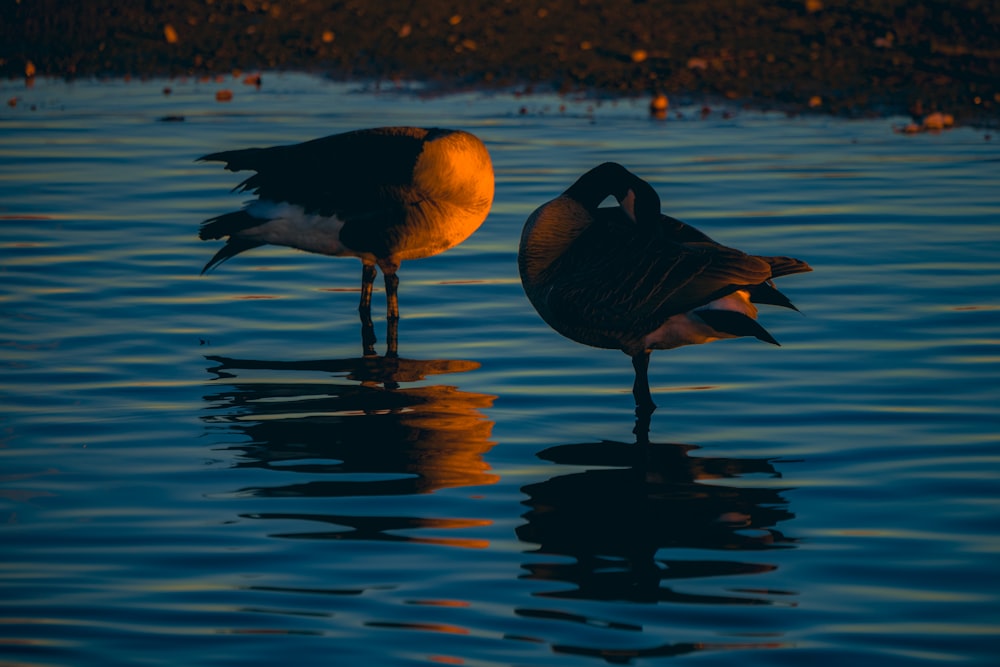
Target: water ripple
column 201, row 470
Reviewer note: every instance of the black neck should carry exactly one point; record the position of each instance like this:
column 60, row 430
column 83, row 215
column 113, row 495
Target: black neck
column 612, row 179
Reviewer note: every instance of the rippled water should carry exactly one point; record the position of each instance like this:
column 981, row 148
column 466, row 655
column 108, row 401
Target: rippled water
column 201, row 469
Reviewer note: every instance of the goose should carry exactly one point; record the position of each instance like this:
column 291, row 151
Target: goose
column 383, row 195
column 628, row 277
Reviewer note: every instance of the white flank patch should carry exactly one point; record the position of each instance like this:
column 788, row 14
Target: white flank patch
column 288, row 224
column 738, row 301
column 683, row 329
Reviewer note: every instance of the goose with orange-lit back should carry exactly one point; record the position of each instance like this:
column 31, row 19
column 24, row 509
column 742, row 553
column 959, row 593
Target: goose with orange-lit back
column 628, row 277
column 383, row 195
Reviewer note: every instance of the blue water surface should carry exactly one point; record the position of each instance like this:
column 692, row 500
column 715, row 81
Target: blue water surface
column 203, row 470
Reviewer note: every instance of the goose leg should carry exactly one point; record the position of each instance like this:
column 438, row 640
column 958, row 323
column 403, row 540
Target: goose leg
column 392, row 312
column 640, row 389
column 365, row 309
column 643, row 417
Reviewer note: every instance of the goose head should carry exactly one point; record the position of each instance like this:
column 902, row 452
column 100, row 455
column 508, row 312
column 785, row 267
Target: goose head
column 636, row 197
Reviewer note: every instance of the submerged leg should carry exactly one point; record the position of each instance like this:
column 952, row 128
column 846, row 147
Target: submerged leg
column 365, row 309
column 392, row 311
column 640, row 389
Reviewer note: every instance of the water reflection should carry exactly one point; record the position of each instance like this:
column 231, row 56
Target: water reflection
column 632, row 502
column 360, row 434
column 618, row 519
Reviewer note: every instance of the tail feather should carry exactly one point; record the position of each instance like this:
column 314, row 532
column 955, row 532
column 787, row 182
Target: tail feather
column 237, row 160
column 227, row 224
column 735, row 323
column 233, row 247
column 767, row 293
column 786, row 266
column 231, row 224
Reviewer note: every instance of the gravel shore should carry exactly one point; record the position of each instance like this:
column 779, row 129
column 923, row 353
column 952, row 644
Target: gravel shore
column 834, row 56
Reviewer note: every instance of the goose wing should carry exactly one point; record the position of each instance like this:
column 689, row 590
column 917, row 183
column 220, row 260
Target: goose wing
column 680, row 232
column 620, row 277
column 355, row 175
column 763, row 293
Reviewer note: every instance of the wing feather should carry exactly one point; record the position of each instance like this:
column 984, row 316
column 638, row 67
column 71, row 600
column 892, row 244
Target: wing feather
column 663, row 277
column 366, row 169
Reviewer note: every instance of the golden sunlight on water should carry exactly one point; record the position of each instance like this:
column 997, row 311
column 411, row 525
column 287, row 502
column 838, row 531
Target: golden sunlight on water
column 359, row 427
column 200, row 470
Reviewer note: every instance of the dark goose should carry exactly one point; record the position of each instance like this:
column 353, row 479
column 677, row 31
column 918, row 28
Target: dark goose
column 382, row 195
column 633, row 279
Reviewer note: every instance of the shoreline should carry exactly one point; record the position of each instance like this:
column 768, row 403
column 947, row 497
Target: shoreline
column 817, row 56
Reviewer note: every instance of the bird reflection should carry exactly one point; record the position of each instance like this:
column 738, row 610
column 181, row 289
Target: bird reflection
column 617, row 518
column 357, row 434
